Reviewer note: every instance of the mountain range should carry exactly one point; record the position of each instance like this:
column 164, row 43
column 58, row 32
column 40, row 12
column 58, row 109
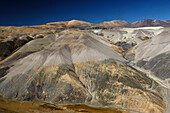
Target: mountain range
column 109, row 24
column 76, row 66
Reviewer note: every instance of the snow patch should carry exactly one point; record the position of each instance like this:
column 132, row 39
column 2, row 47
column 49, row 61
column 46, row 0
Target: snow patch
column 158, row 27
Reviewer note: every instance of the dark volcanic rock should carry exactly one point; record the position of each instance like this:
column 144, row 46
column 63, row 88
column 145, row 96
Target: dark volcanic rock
column 9, row 46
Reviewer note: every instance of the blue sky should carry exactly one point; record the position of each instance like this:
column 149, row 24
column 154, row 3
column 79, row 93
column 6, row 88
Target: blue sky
column 34, row 12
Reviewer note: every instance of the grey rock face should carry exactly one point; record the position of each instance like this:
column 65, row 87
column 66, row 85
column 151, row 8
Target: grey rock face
column 159, row 65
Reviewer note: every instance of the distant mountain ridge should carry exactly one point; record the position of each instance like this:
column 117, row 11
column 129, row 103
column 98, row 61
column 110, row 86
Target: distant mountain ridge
column 110, row 24
column 149, row 22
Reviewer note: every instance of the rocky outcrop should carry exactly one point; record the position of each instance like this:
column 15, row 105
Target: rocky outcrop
column 13, row 38
column 8, row 46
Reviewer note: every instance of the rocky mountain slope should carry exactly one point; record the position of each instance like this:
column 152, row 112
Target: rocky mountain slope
column 146, row 49
column 12, row 37
column 142, row 45
column 124, row 68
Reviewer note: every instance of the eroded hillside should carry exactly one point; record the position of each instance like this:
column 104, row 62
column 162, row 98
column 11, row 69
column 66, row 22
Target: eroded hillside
column 102, row 68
